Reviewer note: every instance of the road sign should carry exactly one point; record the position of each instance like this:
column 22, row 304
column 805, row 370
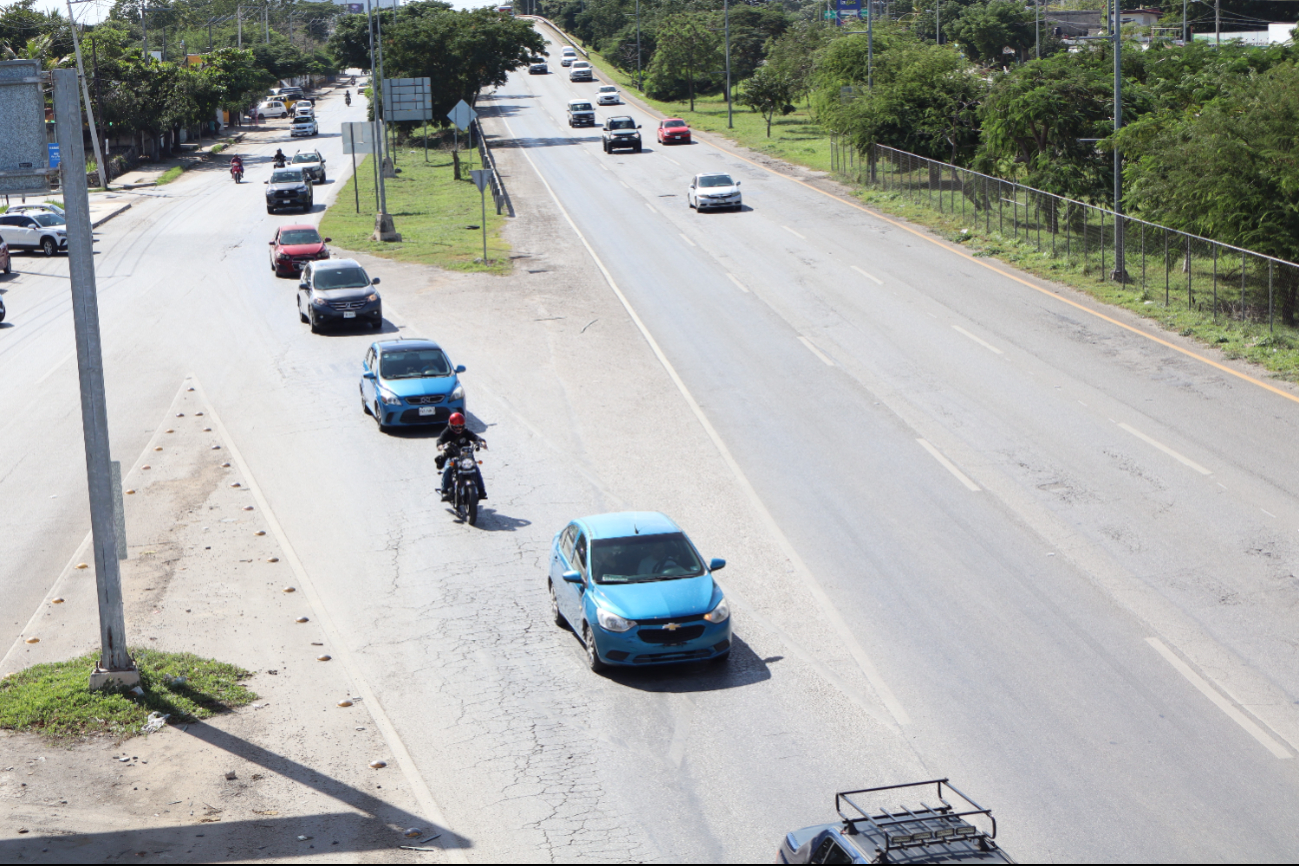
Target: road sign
column 462, row 115
column 358, row 137
column 482, row 177
column 407, row 99
column 54, row 154
column 24, row 152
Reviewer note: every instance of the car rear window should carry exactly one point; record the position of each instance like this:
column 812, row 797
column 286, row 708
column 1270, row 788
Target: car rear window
column 644, row 558
column 414, row 364
column 341, row 278
column 300, row 236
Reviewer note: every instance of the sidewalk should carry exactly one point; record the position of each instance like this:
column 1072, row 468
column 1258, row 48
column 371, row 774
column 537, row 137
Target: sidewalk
column 296, row 774
column 148, row 173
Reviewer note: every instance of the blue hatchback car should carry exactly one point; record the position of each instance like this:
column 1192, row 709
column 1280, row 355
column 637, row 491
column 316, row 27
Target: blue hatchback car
column 637, row 591
column 409, row 383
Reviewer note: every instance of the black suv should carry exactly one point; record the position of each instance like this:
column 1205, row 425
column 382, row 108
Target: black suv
column 620, row 132
column 289, row 187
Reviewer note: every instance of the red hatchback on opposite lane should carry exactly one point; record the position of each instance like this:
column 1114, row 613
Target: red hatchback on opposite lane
column 673, row 129
column 294, row 246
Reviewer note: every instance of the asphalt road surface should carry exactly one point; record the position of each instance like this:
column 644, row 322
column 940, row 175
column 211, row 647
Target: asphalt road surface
column 973, row 530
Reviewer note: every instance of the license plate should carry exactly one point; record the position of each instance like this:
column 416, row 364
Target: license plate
column 428, row 410
column 349, row 315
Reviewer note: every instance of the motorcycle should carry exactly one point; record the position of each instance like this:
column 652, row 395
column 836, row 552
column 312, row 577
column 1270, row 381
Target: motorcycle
column 237, row 173
column 279, row 162
column 347, row 99
column 464, row 484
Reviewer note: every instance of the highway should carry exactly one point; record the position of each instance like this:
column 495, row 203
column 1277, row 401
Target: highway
column 973, row 530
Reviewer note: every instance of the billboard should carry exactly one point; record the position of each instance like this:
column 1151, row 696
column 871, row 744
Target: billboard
column 847, row 11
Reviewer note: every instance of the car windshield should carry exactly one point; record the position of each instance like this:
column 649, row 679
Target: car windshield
column 622, row 124
column 300, row 236
column 48, row 219
column 303, row 118
column 581, row 106
column 414, row 364
column 341, row 278
column 716, row 180
column 287, row 176
column 644, row 558
column 305, row 157
column 607, row 88
column 675, row 124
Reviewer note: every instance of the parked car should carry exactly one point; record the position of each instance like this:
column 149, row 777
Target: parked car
column 46, row 232
column 43, row 207
column 608, row 95
column 637, row 592
column 294, row 246
column 580, row 113
column 271, row 108
column 673, row 129
column 538, row 67
column 8, row 266
column 713, row 191
column 620, row 133
column 312, row 164
column 338, row 291
column 304, row 125
column 581, row 71
column 410, row 382
column 289, row 187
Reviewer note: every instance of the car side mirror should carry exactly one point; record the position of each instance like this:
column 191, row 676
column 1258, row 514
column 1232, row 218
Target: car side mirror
column 368, row 374
column 374, row 282
column 460, row 368
column 266, row 181
column 271, row 243
column 328, row 240
column 638, row 126
column 737, row 183
column 572, row 577
column 716, row 564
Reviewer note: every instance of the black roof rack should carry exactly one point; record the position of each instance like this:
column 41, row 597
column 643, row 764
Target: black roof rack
column 938, row 824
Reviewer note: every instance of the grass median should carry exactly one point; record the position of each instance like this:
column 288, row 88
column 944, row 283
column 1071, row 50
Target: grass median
column 55, row 701
column 439, row 218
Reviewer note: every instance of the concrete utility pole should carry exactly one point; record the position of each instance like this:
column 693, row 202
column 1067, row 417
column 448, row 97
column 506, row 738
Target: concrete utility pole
column 144, row 26
column 938, row 22
column 266, row 22
column 1217, row 23
column 239, row 13
column 870, row 44
column 1120, row 273
column 85, row 89
column 1185, row 29
column 726, row 25
column 1037, row 29
column 115, row 665
column 639, row 83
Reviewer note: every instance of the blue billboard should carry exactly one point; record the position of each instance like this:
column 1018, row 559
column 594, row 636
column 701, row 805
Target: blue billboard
column 847, row 11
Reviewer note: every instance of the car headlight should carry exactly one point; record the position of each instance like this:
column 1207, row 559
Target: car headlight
column 721, row 613
column 320, row 302
column 373, row 296
column 284, row 255
column 611, row 621
column 458, row 393
column 389, row 399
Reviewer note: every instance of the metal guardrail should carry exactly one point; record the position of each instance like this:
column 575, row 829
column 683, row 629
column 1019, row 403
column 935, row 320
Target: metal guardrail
column 500, row 197
column 1207, row 275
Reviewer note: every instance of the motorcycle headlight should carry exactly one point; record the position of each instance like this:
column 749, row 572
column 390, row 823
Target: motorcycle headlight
column 389, row 399
column 458, row 393
column 721, row 613
column 611, row 621
column 466, row 463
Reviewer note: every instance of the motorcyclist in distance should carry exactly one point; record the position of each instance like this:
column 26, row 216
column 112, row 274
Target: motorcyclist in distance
column 452, row 439
column 347, row 97
column 280, row 159
column 236, row 168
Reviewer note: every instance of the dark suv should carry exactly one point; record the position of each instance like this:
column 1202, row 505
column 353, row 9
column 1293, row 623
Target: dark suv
column 289, row 187
column 621, row 132
column 338, row 291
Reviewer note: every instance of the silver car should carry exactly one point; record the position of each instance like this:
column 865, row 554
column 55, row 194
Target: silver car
column 608, row 95
column 713, row 190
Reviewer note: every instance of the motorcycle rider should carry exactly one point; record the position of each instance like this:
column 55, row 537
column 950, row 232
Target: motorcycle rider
column 347, row 97
column 236, row 168
column 452, row 439
column 279, row 159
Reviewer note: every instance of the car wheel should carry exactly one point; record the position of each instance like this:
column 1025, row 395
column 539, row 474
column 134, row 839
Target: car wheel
column 49, row 247
column 9, row 266
column 638, row 148
column 302, row 317
column 554, row 607
column 592, row 654
column 314, row 322
column 270, row 210
column 377, row 412
column 365, row 407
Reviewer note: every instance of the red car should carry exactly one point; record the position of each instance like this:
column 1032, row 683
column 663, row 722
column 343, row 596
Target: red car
column 294, row 246
column 673, row 129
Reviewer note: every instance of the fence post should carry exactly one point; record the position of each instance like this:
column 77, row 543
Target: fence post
column 1190, row 296
column 1143, row 259
column 1166, row 269
column 1055, row 221
column 1102, row 210
column 1001, row 216
column 1215, row 284
column 1242, row 285
column 1269, row 296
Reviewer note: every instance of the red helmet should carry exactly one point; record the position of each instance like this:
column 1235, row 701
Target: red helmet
column 456, row 420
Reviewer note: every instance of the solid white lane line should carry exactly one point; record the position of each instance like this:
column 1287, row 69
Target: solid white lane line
column 606, row 168
column 651, row 207
column 687, row 239
column 792, row 232
column 624, row 186
column 829, row 610
column 1268, row 513
column 1219, row 701
column 738, row 283
column 815, row 351
column 866, row 275
column 948, row 465
column 983, row 343
column 1164, row 448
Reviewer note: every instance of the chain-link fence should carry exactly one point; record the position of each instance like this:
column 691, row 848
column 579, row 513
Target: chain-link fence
column 1183, row 270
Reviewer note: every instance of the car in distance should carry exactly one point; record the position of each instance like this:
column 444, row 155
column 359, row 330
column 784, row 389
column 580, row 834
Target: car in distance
column 294, row 246
column 338, row 291
column 410, row 382
column 312, row 164
column 580, row 71
column 46, row 232
column 637, row 592
column 271, row 108
column 302, row 108
column 567, row 55
column 8, row 266
column 713, row 191
column 673, row 129
column 538, row 67
column 620, row 133
column 304, row 125
column 925, row 831
column 289, row 187
column 580, row 113
column 44, row 207
column 607, row 94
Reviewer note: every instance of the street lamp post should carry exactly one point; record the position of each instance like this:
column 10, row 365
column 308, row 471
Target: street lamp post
column 640, row 84
column 726, row 24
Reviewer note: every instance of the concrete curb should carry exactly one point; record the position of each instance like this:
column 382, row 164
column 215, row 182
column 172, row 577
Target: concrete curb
column 108, row 216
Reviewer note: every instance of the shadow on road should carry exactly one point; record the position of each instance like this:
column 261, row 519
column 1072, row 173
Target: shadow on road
column 545, row 142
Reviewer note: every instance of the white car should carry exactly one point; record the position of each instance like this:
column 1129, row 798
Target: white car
column 580, row 71
column 713, row 190
column 46, row 232
column 567, row 56
column 303, row 110
column 271, row 108
column 303, row 124
column 608, row 95
column 47, row 207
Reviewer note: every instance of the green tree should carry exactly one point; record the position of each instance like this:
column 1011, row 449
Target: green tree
column 795, row 51
column 768, row 92
column 984, row 29
column 689, row 54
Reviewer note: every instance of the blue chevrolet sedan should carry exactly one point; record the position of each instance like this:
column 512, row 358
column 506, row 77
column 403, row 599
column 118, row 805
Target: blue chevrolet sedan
column 637, row 591
column 409, row 383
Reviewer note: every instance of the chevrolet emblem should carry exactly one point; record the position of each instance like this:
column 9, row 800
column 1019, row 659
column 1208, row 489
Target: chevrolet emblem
column 672, row 626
